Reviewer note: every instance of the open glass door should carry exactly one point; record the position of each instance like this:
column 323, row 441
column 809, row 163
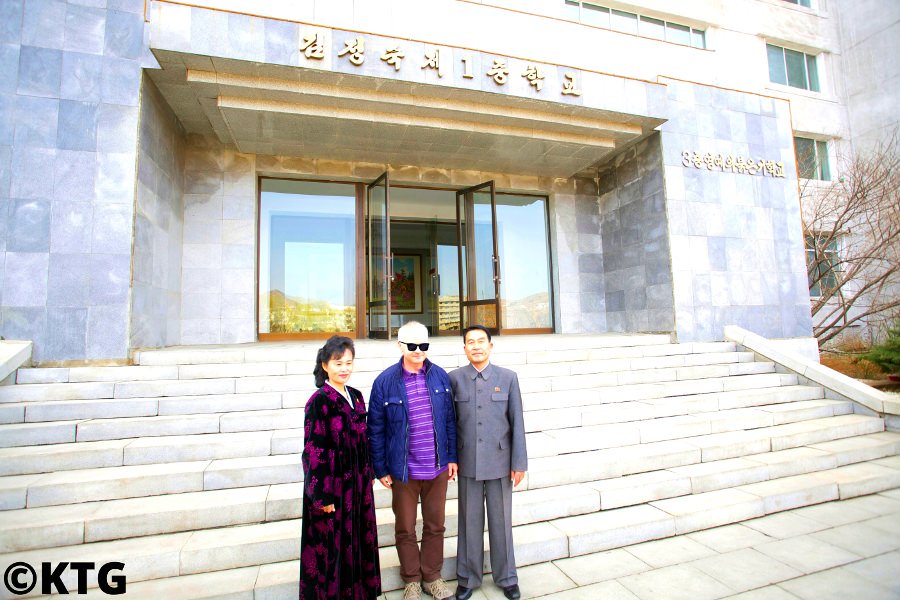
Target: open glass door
column 479, row 261
column 378, row 258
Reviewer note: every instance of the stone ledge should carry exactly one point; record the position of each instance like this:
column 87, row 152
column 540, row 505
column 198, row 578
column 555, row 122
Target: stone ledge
column 838, row 383
column 13, row 354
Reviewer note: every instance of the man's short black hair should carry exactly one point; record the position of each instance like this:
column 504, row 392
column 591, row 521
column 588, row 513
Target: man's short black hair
column 476, row 327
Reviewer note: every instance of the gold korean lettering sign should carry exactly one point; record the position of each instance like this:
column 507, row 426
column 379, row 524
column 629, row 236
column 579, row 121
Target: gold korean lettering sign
column 433, row 61
column 498, row 72
column 313, row 47
column 569, row 85
column 356, row 48
column 393, row 56
column 735, row 164
column 535, row 76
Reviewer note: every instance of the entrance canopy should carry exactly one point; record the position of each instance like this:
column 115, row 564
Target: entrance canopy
column 378, row 114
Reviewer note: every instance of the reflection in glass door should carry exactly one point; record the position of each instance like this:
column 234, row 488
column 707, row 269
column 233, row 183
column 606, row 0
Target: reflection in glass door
column 307, row 259
column 522, row 236
column 445, row 279
column 379, row 258
column 477, row 224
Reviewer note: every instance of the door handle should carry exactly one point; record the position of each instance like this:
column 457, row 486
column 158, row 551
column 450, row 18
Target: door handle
column 496, row 264
column 438, row 289
column 390, row 267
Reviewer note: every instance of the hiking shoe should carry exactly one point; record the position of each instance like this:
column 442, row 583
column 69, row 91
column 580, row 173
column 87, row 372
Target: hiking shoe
column 437, row 588
column 412, row 591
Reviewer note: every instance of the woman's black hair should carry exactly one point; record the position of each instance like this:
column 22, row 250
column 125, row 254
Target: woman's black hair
column 335, row 347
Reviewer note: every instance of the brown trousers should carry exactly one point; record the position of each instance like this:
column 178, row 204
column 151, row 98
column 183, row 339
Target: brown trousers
column 415, row 565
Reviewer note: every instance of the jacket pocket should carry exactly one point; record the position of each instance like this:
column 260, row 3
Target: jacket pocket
column 394, row 410
column 500, row 397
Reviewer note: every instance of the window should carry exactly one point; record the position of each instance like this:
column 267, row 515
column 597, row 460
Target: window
column 522, row 234
column 789, row 67
column 653, row 28
column 626, row 22
column 598, row 16
column 307, row 257
column 812, row 159
column 822, row 263
column 805, row 3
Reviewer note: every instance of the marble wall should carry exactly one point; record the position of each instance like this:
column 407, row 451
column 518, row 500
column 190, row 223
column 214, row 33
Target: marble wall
column 577, row 254
column 637, row 267
column 69, row 96
column 736, row 239
column 158, row 225
column 219, row 254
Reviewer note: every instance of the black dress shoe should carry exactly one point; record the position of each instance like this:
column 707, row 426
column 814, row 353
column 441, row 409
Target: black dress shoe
column 512, row 592
column 463, row 593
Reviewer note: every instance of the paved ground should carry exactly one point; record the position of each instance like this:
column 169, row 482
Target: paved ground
column 844, row 550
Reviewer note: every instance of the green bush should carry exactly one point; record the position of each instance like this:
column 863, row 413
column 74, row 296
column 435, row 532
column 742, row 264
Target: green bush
column 887, row 355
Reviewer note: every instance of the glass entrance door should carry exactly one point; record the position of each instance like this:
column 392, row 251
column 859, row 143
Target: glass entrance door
column 378, row 258
column 479, row 261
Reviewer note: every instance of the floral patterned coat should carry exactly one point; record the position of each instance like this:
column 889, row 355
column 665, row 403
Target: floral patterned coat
column 339, row 550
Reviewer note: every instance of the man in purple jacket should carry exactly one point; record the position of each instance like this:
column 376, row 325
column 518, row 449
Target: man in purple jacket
column 412, row 438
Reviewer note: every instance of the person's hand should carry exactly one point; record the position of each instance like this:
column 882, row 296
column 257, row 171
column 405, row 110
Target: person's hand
column 387, row 481
column 328, row 509
column 516, row 477
column 452, row 470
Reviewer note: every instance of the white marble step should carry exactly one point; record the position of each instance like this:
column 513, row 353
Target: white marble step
column 84, row 485
column 29, row 412
column 613, row 359
column 628, row 460
column 32, row 528
column 195, row 380
column 63, row 456
column 551, row 442
column 93, row 429
column 161, row 557
column 551, row 345
column 578, row 415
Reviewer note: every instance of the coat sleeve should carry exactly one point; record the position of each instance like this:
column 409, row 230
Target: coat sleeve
column 450, row 424
column 519, row 454
column 320, row 453
column 375, row 430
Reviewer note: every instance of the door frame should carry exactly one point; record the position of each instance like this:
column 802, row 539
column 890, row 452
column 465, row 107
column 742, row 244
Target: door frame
column 387, row 258
column 464, row 202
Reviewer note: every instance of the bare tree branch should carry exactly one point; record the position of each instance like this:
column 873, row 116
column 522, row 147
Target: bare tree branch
column 852, row 229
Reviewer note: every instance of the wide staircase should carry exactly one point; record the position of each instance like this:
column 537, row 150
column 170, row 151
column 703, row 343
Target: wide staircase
column 186, row 466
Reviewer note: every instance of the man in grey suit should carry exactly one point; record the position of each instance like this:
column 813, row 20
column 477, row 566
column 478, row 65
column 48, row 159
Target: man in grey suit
column 490, row 439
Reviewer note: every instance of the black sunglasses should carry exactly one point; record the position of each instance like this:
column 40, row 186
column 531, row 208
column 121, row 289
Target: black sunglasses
column 413, row 347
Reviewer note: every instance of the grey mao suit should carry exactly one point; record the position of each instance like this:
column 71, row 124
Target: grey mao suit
column 490, row 440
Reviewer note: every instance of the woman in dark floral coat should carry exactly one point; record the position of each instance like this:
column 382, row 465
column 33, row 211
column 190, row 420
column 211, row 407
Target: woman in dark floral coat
column 339, row 543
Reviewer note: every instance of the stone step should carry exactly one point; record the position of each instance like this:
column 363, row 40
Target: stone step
column 275, row 544
column 628, row 460
column 563, row 415
column 194, row 380
column 32, row 412
column 51, row 526
column 85, row 485
column 39, row 459
column 94, row 429
column 503, row 345
column 614, row 360
column 551, row 442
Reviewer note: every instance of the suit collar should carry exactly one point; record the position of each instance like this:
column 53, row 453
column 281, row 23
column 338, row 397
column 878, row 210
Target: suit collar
column 472, row 372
